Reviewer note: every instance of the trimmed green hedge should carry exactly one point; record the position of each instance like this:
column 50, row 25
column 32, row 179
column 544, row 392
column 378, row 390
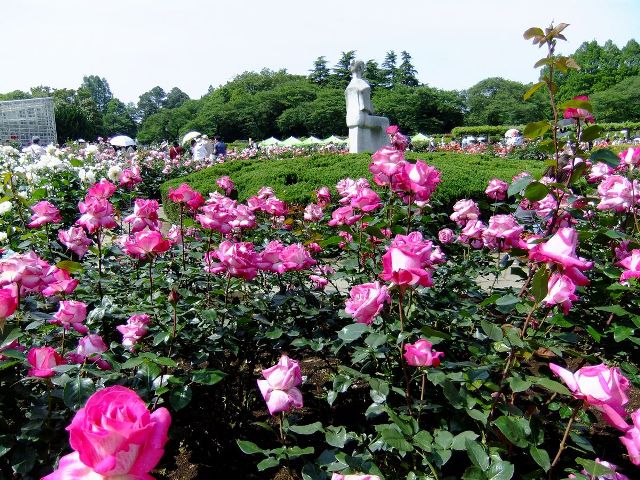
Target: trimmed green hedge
column 295, row 179
column 500, row 130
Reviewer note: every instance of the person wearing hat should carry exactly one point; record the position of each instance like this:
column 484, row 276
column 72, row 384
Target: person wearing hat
column 35, row 149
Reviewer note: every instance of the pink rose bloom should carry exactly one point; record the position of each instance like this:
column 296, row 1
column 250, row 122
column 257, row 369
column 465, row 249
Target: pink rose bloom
column 130, row 177
column 348, row 188
column 225, row 184
column 503, row 233
column 43, row 359
column 606, row 476
column 8, row 303
column 497, row 189
column 561, row 291
column 265, row 193
column 90, row 349
column 145, row 215
column 313, row 247
column 420, row 354
column 318, row 281
column 600, row 387
column 313, row 213
column 561, row 250
column 405, row 268
column 366, row 200
column 399, row 141
column 13, row 345
column 324, row 196
column 102, row 189
column 344, row 216
column 631, row 264
column 185, row 195
column 463, row 211
column 348, row 238
column 446, row 235
column 27, row 270
column 631, row 439
column 631, row 157
column 339, row 476
column 114, row 436
column 472, row 233
column 96, row 213
column 216, row 216
column 71, row 313
column 243, row 217
column 617, row 193
column 135, row 328
column 366, row 301
column 392, row 129
column 546, row 206
column 58, row 281
column 174, row 235
column 386, row 163
column 145, row 244
column 75, row 239
column 269, row 259
column 275, row 207
column 279, row 388
column 236, row 259
column 43, row 213
column 422, row 180
column 295, row 257
column 599, row 171
column 579, row 113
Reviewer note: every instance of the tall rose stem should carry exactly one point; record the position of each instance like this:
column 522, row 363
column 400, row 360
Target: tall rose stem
column 99, row 242
column 182, row 238
column 564, row 438
column 151, row 280
column 403, row 364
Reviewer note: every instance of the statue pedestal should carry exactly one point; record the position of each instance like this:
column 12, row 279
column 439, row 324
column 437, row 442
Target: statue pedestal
column 368, row 139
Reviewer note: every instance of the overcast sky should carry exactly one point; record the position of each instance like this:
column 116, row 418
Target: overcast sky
column 191, row 44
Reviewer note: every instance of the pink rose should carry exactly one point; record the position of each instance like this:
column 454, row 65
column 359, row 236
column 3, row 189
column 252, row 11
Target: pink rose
column 561, row 291
column 420, row 354
column 275, row 207
column 630, row 157
column 75, row 239
column 324, row 196
column 8, row 303
column 295, row 257
column 617, row 193
column 43, row 213
column 71, row 313
column 130, row 177
column 560, row 249
column 186, row 195
column 313, row 213
column 503, row 233
column 497, row 189
column 366, row 200
column 422, row 180
column 43, row 360
column 90, row 349
column 237, row 259
column 631, row 438
column 58, row 281
column 146, row 244
column 103, row 189
column 446, row 235
column 96, row 213
column 366, row 301
column 600, row 387
column 463, row 211
column 599, row 171
column 145, row 215
column 385, row 164
column 631, row 264
column 216, row 216
column 114, row 435
column 392, row 129
column 339, row 476
column 344, row 216
column 226, row 184
column 579, row 113
column 279, row 388
column 135, row 328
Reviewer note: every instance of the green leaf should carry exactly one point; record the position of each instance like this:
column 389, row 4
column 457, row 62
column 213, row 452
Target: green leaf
column 77, row 391
column 541, row 457
column 477, row 454
column 269, row 462
column 248, row 447
column 594, row 333
column 507, row 300
column 536, row 191
column 424, row 440
column 160, row 337
column 395, row 439
column 518, row 384
column 352, row 332
column 605, row 155
column 336, row 436
column 620, row 332
column 306, row 429
column 459, row 441
column 474, row 473
column 593, row 468
column 519, row 185
column 76, row 162
column 491, row 330
column 132, row 362
column 540, row 284
column 615, row 309
column 207, row 377
column 536, row 86
column 551, row 385
column 295, row 452
column 69, row 266
column 582, row 104
column 166, row 362
column 180, row 397
column 500, row 470
column 591, row 133
column 536, row 129
column 512, row 430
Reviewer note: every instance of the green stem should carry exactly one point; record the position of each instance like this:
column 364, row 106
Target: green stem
column 564, row 438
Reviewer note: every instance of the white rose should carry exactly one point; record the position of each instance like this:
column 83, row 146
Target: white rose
column 5, row 207
column 3, row 237
column 114, row 173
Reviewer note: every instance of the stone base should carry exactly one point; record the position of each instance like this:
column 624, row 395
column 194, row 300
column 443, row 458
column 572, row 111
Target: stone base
column 363, row 139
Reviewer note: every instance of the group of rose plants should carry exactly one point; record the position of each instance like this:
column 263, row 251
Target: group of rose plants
column 367, row 335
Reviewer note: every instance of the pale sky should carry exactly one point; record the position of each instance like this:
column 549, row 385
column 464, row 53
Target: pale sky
column 191, row 44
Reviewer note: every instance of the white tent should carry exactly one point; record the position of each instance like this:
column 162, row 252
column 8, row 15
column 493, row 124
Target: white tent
column 420, row 138
column 290, row 142
column 269, row 142
column 311, row 141
column 333, row 139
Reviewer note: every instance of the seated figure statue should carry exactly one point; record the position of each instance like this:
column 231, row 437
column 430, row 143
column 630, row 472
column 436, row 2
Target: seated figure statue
column 367, row 133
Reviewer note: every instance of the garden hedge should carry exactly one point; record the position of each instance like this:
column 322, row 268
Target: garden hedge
column 295, row 179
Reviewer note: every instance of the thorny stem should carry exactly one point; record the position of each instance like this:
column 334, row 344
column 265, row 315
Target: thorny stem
column 182, row 238
column 99, row 242
column 151, row 280
column 403, row 363
column 564, row 438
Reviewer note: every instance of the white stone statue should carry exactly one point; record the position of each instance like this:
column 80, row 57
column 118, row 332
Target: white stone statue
column 367, row 132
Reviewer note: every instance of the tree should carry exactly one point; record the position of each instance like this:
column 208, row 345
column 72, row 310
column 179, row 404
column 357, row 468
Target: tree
column 373, row 74
column 619, row 103
column 150, row 102
column 15, row 95
column 41, row 91
column 97, row 89
column 175, row 98
column 406, row 71
column 342, row 71
column 389, row 69
column 319, row 73
column 118, row 119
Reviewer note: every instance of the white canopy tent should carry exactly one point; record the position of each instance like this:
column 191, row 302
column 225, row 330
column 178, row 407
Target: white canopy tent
column 269, row 142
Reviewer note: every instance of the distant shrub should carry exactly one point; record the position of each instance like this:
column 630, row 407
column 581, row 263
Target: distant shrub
column 295, row 179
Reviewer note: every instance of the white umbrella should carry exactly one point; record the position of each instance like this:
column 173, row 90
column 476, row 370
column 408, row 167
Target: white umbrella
column 512, row 132
column 122, row 141
column 190, row 136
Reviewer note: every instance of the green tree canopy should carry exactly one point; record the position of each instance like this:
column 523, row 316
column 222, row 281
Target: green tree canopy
column 97, row 89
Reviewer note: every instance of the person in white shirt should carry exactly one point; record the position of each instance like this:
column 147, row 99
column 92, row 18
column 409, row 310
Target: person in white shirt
column 200, row 150
column 35, row 150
